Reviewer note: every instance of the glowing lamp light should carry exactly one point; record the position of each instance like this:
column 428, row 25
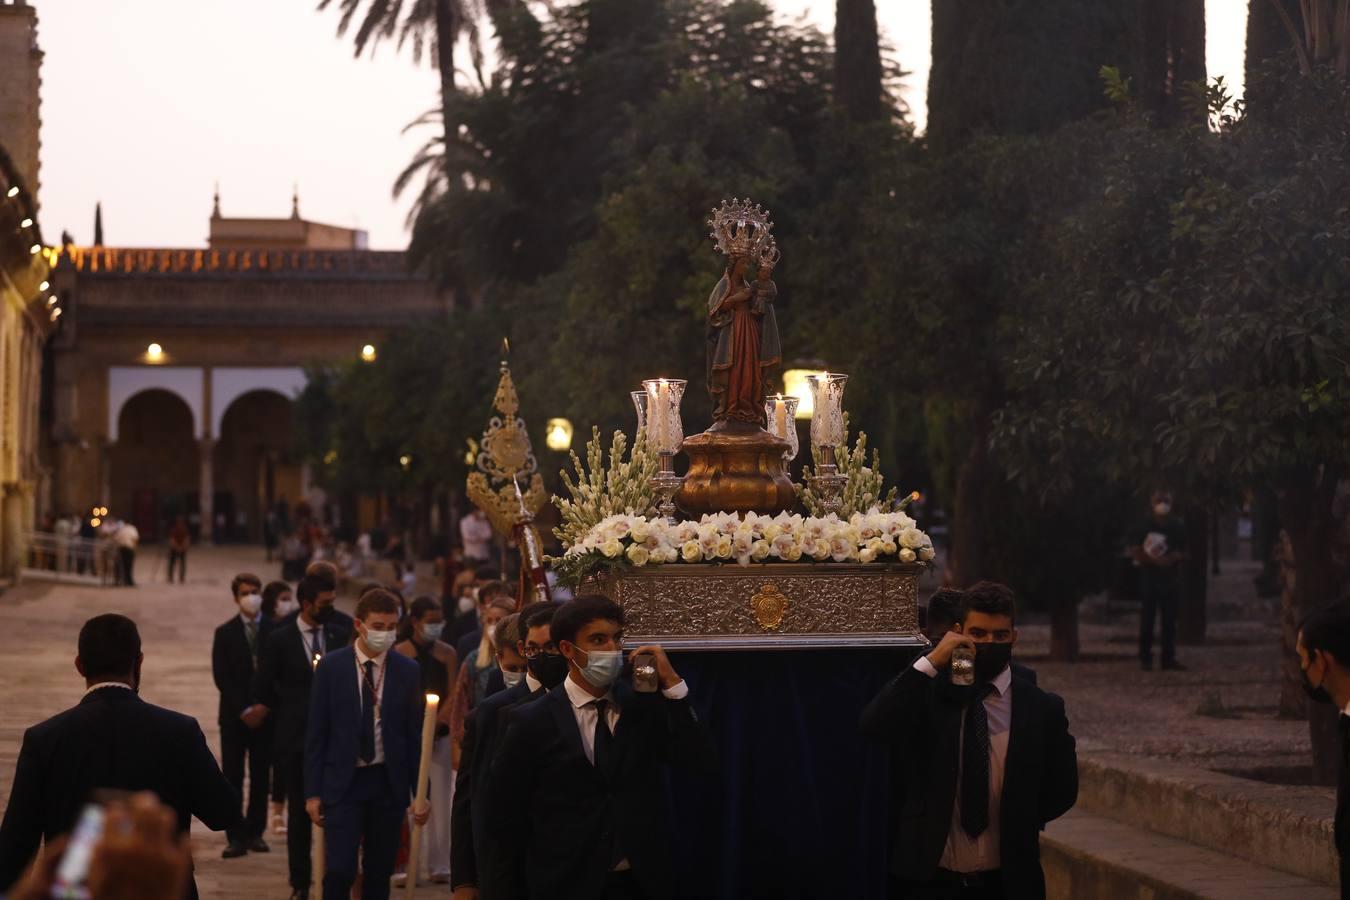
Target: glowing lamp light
column 433, row 699
column 95, row 521
column 52, row 301
column 405, row 460
column 56, row 314
column 795, row 385
column 44, row 285
column 368, row 353
column 26, row 223
column 13, row 192
column 35, row 249
column 103, row 510
column 558, row 434
column 154, row 353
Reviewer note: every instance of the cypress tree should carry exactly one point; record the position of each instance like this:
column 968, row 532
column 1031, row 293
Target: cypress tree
column 857, row 59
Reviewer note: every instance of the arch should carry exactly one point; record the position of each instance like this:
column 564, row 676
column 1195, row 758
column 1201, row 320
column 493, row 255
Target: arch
column 125, row 382
column 228, row 384
column 153, row 469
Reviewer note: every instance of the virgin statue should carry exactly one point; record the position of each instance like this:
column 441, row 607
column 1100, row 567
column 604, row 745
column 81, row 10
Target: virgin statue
column 742, row 329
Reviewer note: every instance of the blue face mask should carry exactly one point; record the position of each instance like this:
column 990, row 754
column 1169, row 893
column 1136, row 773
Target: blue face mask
column 602, row 667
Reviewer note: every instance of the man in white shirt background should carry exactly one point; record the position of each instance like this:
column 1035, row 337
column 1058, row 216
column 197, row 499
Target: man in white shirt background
column 475, row 533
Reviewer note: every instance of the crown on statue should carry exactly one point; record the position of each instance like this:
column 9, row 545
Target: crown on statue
column 768, row 254
column 740, row 227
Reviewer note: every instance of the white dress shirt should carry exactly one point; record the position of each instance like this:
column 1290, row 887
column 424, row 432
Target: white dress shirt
column 964, row 853
column 586, row 716
column 378, row 678
column 531, row 683
column 108, row 684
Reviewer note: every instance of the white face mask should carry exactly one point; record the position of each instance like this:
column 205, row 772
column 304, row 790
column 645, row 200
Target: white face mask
column 432, row 632
column 250, row 604
column 286, row 607
column 380, row 641
column 466, row 604
column 512, row 678
column 1162, row 509
column 602, row 667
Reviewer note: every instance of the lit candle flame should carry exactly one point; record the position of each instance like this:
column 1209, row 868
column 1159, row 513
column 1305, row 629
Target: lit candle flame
column 433, row 699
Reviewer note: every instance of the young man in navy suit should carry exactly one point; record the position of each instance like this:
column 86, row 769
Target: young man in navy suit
column 578, row 797
column 362, row 746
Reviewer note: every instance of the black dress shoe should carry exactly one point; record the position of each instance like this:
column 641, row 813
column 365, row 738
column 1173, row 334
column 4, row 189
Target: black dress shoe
column 234, row 851
column 258, row 845
column 1173, row 666
column 300, row 894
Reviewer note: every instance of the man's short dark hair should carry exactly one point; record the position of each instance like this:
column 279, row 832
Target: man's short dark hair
column 242, row 579
column 109, row 646
column 945, row 606
column 487, row 591
column 309, row 589
column 421, row 606
column 575, row 615
column 536, row 614
column 991, row 598
column 1328, row 630
column 376, row 601
column 325, row 571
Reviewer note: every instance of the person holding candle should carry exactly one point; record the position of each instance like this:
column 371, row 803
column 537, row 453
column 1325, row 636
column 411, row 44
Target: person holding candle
column 577, row 797
column 282, row 686
column 362, row 750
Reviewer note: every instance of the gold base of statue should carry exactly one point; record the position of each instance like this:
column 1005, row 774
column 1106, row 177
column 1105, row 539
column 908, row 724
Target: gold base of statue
column 769, row 606
column 735, row 467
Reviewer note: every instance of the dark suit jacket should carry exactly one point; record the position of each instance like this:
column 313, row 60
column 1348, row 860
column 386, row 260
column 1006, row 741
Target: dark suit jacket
column 471, row 856
column 541, row 780
column 467, row 644
column 1040, row 781
column 333, row 733
column 232, row 666
column 283, row 680
column 112, row 739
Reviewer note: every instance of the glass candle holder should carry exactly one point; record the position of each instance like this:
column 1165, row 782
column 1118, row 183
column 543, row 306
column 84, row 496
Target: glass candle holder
column 640, row 404
column 780, row 411
column 827, row 417
column 665, row 431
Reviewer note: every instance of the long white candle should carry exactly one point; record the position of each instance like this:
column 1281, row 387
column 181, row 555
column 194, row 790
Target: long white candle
column 663, row 399
column 779, row 417
column 423, row 778
column 316, row 841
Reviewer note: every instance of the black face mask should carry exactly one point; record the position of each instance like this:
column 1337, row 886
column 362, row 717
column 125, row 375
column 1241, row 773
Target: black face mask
column 991, row 659
column 549, row 669
column 323, row 614
column 1316, row 694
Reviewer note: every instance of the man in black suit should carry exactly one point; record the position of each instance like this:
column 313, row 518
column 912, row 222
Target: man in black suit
column 244, row 729
column 362, row 748
column 327, row 575
column 1324, row 656
column 989, row 764
column 471, row 858
column 944, row 612
column 285, row 674
column 111, row 740
column 577, row 796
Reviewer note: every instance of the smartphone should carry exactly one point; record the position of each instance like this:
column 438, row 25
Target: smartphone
column 645, row 680
column 72, row 872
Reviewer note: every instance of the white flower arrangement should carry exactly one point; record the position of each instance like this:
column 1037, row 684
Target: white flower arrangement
column 638, row 541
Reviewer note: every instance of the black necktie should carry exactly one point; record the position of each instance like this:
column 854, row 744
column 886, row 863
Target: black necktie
column 604, row 739
column 975, row 766
column 315, row 642
column 368, row 714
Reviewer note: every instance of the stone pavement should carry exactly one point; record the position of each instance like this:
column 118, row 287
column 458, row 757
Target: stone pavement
column 176, row 624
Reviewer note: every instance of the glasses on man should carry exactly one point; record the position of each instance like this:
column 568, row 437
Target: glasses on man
column 534, row 652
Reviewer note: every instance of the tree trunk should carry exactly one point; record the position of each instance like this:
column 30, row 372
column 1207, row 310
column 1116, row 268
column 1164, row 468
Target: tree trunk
column 1191, row 618
column 1064, row 644
column 447, row 34
column 857, row 60
column 1293, row 702
column 1173, row 38
column 1306, row 511
column 966, row 561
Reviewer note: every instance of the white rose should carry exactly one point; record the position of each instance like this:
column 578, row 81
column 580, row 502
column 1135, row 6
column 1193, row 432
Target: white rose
column 781, row 544
column 820, row 550
column 723, row 548
column 867, row 555
column 907, row 555
column 842, row 550
column 888, row 547
column 759, row 550
column 772, row 530
column 926, row 554
column 691, row 551
column 911, row 539
column 641, row 532
column 793, row 553
column 638, row 555
column 611, row 548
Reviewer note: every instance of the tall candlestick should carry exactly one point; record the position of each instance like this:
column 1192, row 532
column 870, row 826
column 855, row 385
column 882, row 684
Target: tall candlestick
column 423, row 777
column 317, row 860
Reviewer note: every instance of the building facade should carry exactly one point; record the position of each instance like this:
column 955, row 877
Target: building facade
column 174, row 371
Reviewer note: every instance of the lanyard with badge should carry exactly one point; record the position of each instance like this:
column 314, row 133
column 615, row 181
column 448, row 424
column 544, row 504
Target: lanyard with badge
column 373, row 685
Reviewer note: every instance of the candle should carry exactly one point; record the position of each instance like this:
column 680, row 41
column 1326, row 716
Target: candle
column 779, row 416
column 317, row 843
column 663, row 404
column 423, row 777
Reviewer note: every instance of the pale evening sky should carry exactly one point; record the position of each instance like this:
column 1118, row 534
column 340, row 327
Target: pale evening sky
column 148, row 103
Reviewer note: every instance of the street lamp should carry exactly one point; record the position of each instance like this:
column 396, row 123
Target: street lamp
column 795, row 384
column 154, row 353
column 368, row 353
column 558, row 434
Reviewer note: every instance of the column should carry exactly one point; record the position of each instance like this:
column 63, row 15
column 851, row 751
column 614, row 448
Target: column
column 206, row 490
